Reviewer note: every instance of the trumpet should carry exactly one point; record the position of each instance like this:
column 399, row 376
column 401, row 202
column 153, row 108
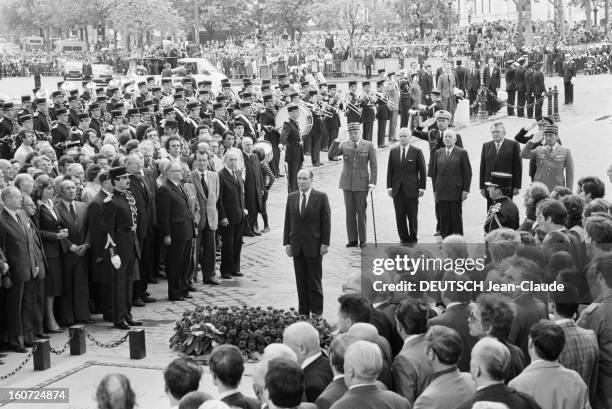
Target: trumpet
column 315, row 109
column 350, row 106
column 385, row 99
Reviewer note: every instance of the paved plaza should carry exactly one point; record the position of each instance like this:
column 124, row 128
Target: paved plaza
column 585, row 128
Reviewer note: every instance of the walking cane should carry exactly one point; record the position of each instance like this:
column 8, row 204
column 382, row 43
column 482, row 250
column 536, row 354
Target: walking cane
column 373, row 218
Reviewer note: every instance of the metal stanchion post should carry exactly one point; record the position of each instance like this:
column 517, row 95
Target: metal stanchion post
column 549, row 97
column 482, row 104
column 42, row 355
column 138, row 348
column 77, row 340
column 556, row 116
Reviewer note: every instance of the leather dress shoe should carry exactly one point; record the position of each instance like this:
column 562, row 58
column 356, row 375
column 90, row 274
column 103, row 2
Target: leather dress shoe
column 148, row 299
column 133, row 323
column 192, row 288
column 351, row 244
column 138, row 303
column 176, row 299
column 42, row 336
column 122, row 325
column 188, row 297
column 210, row 282
column 226, row 276
column 19, row 349
column 238, row 274
column 362, row 245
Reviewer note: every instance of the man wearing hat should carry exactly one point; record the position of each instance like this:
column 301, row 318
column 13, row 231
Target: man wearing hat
column 6, row 130
column 60, row 132
column 492, row 80
column 142, row 94
column 58, row 102
column 503, row 212
column 268, row 125
column 529, row 98
column 73, row 112
column 521, row 87
column 25, row 138
column 569, row 72
column 219, row 124
column 119, row 217
column 96, row 122
column 351, row 115
column 291, row 138
column 42, row 124
column 133, row 115
column 332, row 124
column 539, row 89
column 510, row 86
column 26, row 107
column 356, row 181
column 554, row 163
column 382, row 115
column 179, row 109
column 367, row 112
column 191, row 122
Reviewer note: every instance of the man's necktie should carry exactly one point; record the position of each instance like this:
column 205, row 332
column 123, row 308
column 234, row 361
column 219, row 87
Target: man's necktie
column 447, row 154
column 355, row 145
column 73, row 213
column 204, row 185
column 403, row 155
column 497, row 148
column 303, row 207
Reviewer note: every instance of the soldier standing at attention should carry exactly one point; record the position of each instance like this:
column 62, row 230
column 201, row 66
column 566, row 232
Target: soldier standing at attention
column 569, row 72
column 356, row 181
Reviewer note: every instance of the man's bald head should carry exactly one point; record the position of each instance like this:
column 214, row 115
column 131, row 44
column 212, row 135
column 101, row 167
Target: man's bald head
column 303, row 339
column 490, row 360
column 279, row 351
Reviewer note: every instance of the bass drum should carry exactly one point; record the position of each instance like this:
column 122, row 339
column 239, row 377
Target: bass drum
column 305, row 120
column 266, row 147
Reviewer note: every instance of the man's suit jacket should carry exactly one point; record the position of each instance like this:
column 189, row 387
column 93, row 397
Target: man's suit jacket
column 18, row 247
column 473, row 80
column 253, row 176
column 144, row 195
column 78, row 232
column 208, row 204
column 317, row 375
column 510, row 79
column 426, row 83
column 173, row 214
column 308, row 231
column 492, row 77
column 334, row 391
column 290, row 136
column 529, row 81
column 409, row 175
column 461, row 75
column 456, row 317
column 519, row 78
column 507, row 160
column 446, row 390
column 446, row 84
column 355, row 176
column 451, row 176
column 231, row 197
column 371, row 397
column 411, row 369
column 238, row 400
column 552, row 386
column 502, row 394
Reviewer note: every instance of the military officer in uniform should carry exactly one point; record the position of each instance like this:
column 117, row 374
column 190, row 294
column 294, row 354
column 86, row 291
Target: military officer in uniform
column 119, row 216
column 356, row 181
column 294, row 154
column 569, row 72
column 503, row 213
column 552, row 159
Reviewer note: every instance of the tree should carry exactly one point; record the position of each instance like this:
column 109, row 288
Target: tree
column 422, row 13
column 587, row 5
column 347, row 14
column 289, row 15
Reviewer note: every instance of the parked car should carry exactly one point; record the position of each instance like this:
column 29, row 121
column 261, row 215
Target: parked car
column 73, row 70
column 101, row 73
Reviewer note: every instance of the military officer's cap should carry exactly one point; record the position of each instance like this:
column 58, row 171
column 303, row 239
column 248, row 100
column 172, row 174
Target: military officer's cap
column 390, row 74
column 435, row 92
column 24, row 118
column 323, row 84
column 94, row 106
column 73, row 143
column 118, row 105
column 187, row 80
column 239, row 123
column 264, row 82
column 142, row 83
column 8, row 105
column 116, row 113
column 292, row 108
column 133, row 111
column 245, row 104
column 500, row 179
column 365, row 83
column 99, row 90
column 117, row 172
column 112, row 90
column 207, row 83
column 551, row 129
column 56, row 94
column 247, row 95
column 265, row 87
column 26, row 98
column 379, row 83
column 156, row 88
column 293, row 94
column 102, row 98
column 442, row 114
column 226, row 84
column 178, row 96
column 61, row 111
column 166, row 81
column 167, row 110
column 217, row 106
column 313, row 92
column 143, row 110
column 149, row 79
column 83, row 116
column 38, row 101
column 73, row 98
column 285, row 86
column 282, row 76
column 170, row 124
column 305, row 84
column 353, row 126
column 247, row 83
column 204, row 92
column 193, row 105
column 351, row 83
column 380, row 71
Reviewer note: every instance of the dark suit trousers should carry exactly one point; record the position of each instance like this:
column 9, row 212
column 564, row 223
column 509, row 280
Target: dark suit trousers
column 538, row 108
column 32, row 309
column 368, row 69
column 368, row 128
column 315, row 148
column 491, row 101
column 306, row 143
column 145, row 267
column 472, row 95
column 121, row 290
column 231, row 246
column 451, row 219
column 404, row 117
column 12, row 310
column 530, row 107
column 382, row 128
column 332, row 134
column 178, row 267
column 293, row 168
column 308, row 272
column 568, row 91
column 406, row 209
column 520, row 109
column 74, row 302
column 207, row 246
column 511, row 101
column 355, row 204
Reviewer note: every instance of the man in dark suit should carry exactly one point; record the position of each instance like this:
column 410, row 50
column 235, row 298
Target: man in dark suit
column 539, row 90
column 510, row 86
column 490, row 358
column 17, row 240
column 231, row 215
column 461, row 75
column 473, row 85
column 292, row 139
column 74, row 301
column 144, row 196
column 406, row 180
column 529, row 89
column 119, row 222
column 451, row 176
column 569, row 72
column 492, row 80
column 500, row 155
column 207, row 187
column 426, row 83
column 306, row 239
column 303, row 339
column 176, row 227
column 337, row 387
column 226, row 367
column 521, row 87
column 253, row 185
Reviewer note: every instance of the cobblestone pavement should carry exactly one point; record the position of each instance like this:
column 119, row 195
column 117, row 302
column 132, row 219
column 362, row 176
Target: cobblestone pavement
column 585, row 127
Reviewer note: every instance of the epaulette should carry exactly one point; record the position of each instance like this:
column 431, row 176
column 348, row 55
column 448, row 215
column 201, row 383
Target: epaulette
column 108, row 198
column 592, row 307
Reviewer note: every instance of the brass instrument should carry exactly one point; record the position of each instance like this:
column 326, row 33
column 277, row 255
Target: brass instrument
column 385, row 99
column 349, row 105
column 315, row 109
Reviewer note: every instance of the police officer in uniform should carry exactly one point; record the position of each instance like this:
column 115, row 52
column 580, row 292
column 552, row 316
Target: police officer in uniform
column 510, row 86
column 294, row 154
column 529, row 98
column 58, row 102
column 521, row 87
column 503, row 213
column 60, row 132
column 569, row 72
column 42, row 125
column 356, row 181
column 119, row 217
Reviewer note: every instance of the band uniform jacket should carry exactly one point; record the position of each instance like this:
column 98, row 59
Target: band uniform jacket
column 507, row 160
column 409, row 175
column 473, row 80
column 306, row 232
column 553, row 168
column 59, row 133
column 144, row 195
column 492, row 77
column 290, row 137
column 41, row 123
column 209, row 204
column 73, row 118
column 355, row 176
column 352, row 116
column 370, row 396
column 382, row 110
column 231, row 197
column 268, row 123
column 78, row 233
column 451, row 176
column 507, row 216
column 174, row 215
column 120, row 228
column 510, row 79
column 6, row 127
column 96, row 125
column 503, row 394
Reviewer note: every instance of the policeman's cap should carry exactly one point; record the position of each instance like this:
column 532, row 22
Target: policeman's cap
column 443, row 115
column 500, row 179
column 117, row 172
